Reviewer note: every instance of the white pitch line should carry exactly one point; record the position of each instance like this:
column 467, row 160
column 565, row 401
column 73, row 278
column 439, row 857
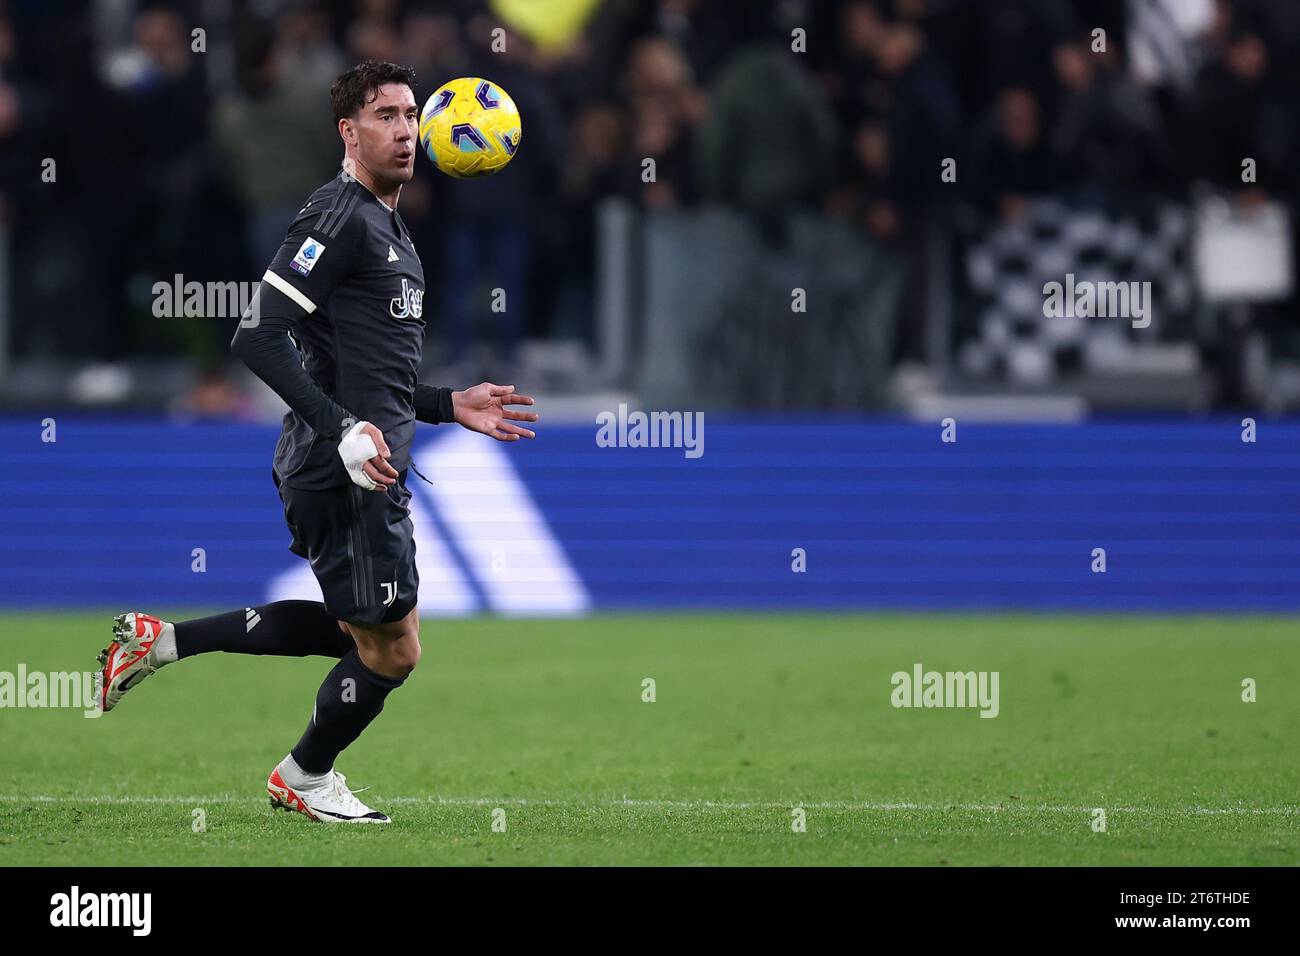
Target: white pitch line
column 844, row 805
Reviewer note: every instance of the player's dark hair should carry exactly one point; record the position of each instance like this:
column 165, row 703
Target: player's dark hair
column 359, row 85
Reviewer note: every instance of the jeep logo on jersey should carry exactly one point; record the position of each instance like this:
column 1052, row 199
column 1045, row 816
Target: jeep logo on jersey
column 409, row 304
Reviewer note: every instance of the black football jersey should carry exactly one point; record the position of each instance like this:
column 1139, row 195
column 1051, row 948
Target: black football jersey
column 349, row 280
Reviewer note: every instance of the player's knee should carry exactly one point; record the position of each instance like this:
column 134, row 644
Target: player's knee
column 404, row 654
column 410, row 630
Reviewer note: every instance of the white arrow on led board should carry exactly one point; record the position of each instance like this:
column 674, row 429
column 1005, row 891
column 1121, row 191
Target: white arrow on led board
column 501, row 535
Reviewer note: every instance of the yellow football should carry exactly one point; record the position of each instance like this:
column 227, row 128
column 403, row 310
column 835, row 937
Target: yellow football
column 470, row 127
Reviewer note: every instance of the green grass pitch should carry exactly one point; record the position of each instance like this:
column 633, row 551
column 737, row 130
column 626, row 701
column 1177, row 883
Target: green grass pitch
column 754, row 716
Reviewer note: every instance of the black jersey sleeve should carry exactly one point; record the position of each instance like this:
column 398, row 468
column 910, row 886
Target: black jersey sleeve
column 433, row 405
column 316, row 256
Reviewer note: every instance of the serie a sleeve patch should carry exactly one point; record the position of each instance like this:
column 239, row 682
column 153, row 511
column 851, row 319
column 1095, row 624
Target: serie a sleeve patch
column 308, row 254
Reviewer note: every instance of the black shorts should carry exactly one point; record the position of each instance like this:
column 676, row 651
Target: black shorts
column 361, row 548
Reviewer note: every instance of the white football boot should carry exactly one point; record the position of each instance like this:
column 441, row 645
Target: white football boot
column 141, row 645
column 326, row 801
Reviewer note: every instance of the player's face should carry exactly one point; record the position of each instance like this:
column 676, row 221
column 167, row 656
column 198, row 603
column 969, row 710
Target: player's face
column 387, row 133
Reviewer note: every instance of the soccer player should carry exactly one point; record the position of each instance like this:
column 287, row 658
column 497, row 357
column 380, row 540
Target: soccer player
column 337, row 330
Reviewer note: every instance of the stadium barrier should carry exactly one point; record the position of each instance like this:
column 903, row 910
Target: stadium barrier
column 734, row 317
column 778, row 513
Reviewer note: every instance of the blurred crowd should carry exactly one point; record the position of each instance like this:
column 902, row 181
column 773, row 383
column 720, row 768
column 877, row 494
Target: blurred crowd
column 187, row 152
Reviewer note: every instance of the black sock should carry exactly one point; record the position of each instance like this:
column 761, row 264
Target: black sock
column 285, row 629
column 349, row 699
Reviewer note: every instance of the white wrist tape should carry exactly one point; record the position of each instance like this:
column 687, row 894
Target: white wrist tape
column 357, row 448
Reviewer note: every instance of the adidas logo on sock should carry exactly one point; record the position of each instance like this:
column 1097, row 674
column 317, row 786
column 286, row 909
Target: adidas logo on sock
column 392, row 256
column 251, row 619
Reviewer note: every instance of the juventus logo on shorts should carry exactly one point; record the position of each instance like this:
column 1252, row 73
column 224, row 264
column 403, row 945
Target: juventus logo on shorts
column 390, row 592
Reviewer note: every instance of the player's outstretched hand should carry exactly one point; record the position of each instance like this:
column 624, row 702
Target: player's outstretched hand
column 486, row 408
column 365, row 455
